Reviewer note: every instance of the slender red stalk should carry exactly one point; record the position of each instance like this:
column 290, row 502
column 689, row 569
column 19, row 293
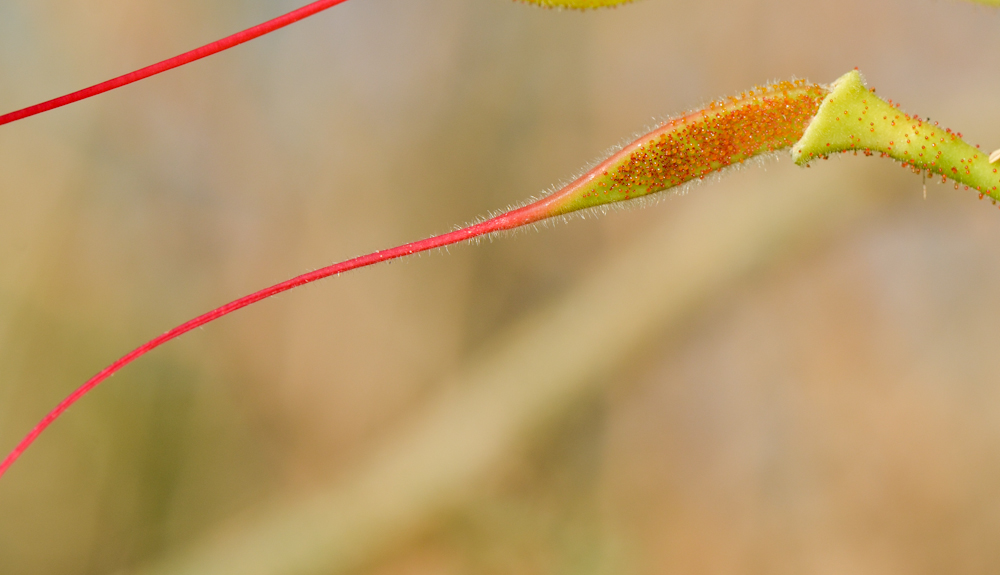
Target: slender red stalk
column 507, row 221
column 171, row 63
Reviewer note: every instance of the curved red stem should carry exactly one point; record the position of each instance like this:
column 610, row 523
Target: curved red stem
column 507, row 221
column 171, row 63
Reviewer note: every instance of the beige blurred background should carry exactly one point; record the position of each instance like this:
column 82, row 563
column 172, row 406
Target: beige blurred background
column 784, row 371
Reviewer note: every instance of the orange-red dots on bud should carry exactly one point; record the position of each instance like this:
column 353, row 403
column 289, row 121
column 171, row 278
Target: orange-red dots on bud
column 724, row 133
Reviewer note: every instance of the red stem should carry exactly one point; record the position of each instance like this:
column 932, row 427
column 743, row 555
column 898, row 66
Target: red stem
column 507, row 221
column 171, row 63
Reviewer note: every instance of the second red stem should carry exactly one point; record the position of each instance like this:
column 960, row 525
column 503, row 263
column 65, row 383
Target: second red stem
column 171, row 63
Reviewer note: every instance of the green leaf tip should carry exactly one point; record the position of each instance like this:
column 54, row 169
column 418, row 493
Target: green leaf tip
column 576, row 4
column 853, row 118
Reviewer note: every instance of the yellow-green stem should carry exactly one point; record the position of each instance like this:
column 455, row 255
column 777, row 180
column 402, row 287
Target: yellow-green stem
column 578, row 4
column 853, row 118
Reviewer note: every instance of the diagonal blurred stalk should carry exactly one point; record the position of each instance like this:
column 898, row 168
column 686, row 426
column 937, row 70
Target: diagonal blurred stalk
column 532, row 373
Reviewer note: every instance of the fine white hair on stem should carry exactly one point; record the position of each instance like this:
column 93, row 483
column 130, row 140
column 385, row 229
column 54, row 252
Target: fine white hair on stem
column 647, row 200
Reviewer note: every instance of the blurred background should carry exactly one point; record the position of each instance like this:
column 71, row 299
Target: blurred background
column 783, row 371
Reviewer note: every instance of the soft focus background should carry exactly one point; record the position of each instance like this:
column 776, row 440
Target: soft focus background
column 784, row 371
